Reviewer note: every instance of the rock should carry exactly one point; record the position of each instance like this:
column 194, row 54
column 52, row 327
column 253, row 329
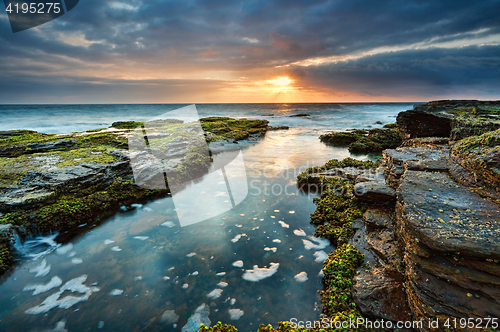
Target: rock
column 53, row 145
column 421, row 159
column 299, row 115
column 13, row 133
column 5, row 232
column 375, row 192
column 377, row 218
column 199, row 317
column 447, row 217
column 380, row 294
column 384, row 245
column 416, row 123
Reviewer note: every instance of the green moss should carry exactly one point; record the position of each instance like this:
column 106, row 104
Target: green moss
column 127, row 125
column 338, row 271
column 79, row 207
column 487, row 140
column 233, row 129
column 6, row 260
column 363, row 141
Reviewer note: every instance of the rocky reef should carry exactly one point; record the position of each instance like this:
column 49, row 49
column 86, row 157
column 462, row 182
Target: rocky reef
column 365, row 141
column 57, row 182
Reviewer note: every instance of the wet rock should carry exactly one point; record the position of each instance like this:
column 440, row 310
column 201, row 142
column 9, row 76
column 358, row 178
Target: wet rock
column 377, row 218
column 199, row 317
column 53, row 145
column 375, row 192
column 447, row 217
column 380, row 294
column 5, row 232
column 416, row 123
column 384, row 244
column 299, row 115
column 13, row 133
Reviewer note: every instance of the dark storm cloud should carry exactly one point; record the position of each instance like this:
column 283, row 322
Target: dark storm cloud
column 239, row 36
column 412, row 72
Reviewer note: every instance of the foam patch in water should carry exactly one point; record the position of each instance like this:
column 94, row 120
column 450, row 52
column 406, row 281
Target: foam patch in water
column 195, row 273
column 169, row 317
column 291, row 212
column 41, row 270
column 74, row 285
column 106, row 242
column 41, row 288
column 236, row 238
column 222, row 284
column 116, row 292
column 215, row 294
column 321, row 256
column 77, row 261
column 64, row 249
column 319, row 245
column 116, row 249
column 238, row 263
column 136, row 205
column 191, row 254
column 301, row 277
column 185, row 286
column 273, row 249
column 277, row 241
column 220, row 274
column 283, row 224
column 258, row 274
column 141, row 238
column 235, row 314
column 169, row 224
column 299, row 232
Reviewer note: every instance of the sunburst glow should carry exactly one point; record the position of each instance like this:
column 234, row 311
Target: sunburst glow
column 281, row 81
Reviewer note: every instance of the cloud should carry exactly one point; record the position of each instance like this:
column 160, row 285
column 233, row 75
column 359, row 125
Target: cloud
column 167, row 40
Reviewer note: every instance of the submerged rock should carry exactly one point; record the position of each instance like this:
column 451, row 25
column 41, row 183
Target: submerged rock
column 199, row 317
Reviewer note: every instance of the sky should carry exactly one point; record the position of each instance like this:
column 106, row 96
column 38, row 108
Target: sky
column 221, row 51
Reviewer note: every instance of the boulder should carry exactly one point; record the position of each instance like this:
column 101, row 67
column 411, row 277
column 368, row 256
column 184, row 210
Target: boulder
column 416, row 123
column 380, row 294
column 377, row 218
column 374, row 191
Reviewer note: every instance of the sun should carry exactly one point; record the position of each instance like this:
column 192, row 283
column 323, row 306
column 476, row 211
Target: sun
column 281, row 81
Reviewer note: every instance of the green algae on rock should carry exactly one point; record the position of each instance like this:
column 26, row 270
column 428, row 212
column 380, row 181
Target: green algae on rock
column 365, row 141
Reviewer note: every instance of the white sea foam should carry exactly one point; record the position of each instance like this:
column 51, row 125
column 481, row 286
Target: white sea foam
column 258, row 274
column 191, row 254
column 138, row 278
column 291, row 212
column 222, row 284
column 53, row 301
column 166, row 278
column 319, row 245
column 299, row 232
column 106, row 242
column 136, row 205
column 236, row 238
column 195, row 273
column 215, row 294
column 64, row 249
column 148, row 209
column 77, row 261
column 276, row 210
column 233, row 301
column 185, row 286
column 301, row 277
column 141, row 238
column 239, row 226
column 116, row 292
column 220, row 274
column 41, row 270
column 283, row 224
column 238, row 263
column 169, row 224
column 116, row 249
column 235, row 314
column 273, row 249
column 277, row 241
column 41, row 288
column 321, row 256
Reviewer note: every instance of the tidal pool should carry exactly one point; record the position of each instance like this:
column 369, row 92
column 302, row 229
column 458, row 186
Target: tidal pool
column 140, row 270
